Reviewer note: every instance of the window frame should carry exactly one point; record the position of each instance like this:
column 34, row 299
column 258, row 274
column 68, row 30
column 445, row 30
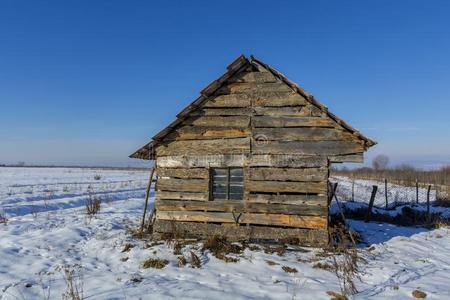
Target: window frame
column 228, row 184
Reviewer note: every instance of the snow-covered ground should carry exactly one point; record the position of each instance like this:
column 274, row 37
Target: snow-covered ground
column 38, row 243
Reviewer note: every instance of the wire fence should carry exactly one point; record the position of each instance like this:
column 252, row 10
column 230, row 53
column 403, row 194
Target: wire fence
column 389, row 194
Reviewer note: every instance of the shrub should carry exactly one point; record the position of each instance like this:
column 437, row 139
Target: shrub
column 93, row 204
column 155, row 263
column 97, row 177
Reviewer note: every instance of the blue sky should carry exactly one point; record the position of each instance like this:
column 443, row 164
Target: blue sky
column 88, row 82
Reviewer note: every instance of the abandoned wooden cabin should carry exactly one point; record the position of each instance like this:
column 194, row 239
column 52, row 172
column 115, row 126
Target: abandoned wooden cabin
column 250, row 158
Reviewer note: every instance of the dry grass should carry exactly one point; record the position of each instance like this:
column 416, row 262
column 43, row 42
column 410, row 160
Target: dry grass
column 182, row 261
column 3, row 218
column 280, row 249
column 289, row 269
column 220, row 248
column 155, row 263
column 336, row 296
column 344, row 259
column 419, row 294
column 127, row 247
column 195, row 260
column 74, row 283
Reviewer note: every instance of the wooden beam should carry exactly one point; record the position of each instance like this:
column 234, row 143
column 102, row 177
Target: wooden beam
column 282, row 121
column 239, row 206
column 286, row 187
column 313, row 222
column 306, row 237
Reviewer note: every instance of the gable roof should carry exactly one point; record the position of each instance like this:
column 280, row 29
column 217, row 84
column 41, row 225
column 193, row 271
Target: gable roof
column 239, row 64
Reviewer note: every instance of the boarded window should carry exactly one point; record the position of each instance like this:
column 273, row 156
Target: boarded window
column 227, row 184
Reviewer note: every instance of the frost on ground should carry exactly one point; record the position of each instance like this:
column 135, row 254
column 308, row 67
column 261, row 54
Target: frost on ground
column 38, row 244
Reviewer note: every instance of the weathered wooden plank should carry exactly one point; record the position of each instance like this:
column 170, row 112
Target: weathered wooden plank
column 305, row 237
column 253, row 77
column 289, row 174
column 183, row 173
column 191, row 196
column 202, row 161
column 239, row 206
column 299, row 111
column 213, row 146
column 178, row 185
column 234, row 100
column 286, row 187
column 306, row 199
column 287, row 161
column 223, row 111
column 357, row 158
column 236, row 88
column 281, row 121
column 325, row 148
column 313, row 222
column 277, row 99
column 201, row 132
column 302, row 134
column 225, row 121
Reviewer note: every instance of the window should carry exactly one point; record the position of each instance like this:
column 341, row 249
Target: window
column 227, row 184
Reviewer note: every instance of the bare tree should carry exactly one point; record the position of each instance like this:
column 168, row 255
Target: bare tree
column 380, row 162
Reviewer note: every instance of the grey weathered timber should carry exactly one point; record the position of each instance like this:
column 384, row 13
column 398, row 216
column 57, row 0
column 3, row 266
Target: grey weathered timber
column 205, row 161
column 287, row 122
column 312, row 222
column 286, row 161
column 183, row 195
column 239, row 206
column 256, row 77
column 302, row 134
column 289, row 174
column 186, row 173
column 307, row 237
column 286, row 187
column 208, row 132
column 308, row 199
column 298, row 111
column 223, row 111
column 355, row 157
column 214, row 146
column 186, row 185
column 225, row 121
column 240, row 87
column 323, row 148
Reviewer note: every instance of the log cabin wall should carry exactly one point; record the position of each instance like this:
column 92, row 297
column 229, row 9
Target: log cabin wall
column 283, row 143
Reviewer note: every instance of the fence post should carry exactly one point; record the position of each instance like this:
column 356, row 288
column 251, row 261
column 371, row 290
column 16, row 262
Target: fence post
column 372, row 199
column 417, row 191
column 428, row 203
column 353, row 190
column 386, row 192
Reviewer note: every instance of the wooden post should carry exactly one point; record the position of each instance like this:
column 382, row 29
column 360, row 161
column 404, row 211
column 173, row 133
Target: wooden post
column 147, row 193
column 386, row 192
column 372, row 199
column 417, row 191
column 428, row 203
column 353, row 190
